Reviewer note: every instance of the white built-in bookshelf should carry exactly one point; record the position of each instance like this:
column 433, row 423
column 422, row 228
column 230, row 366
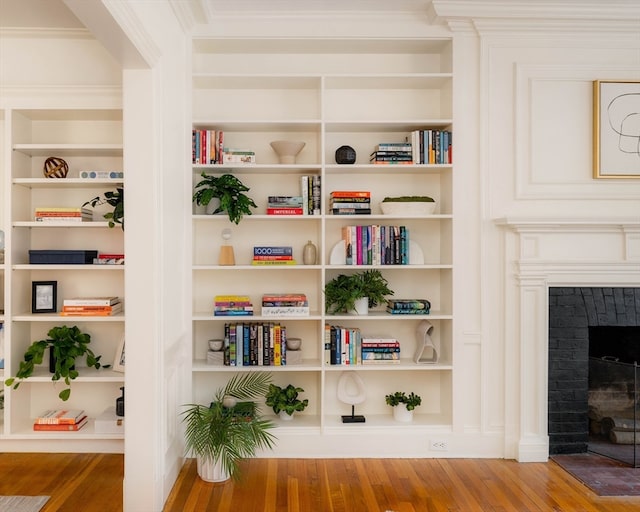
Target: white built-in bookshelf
column 355, row 92
column 87, row 138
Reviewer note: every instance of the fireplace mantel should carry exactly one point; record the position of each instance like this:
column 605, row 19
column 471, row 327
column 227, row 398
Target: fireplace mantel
column 541, row 253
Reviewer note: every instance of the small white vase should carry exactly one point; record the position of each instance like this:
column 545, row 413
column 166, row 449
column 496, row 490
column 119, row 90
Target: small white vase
column 361, row 307
column 284, row 416
column 211, row 471
column 400, row 413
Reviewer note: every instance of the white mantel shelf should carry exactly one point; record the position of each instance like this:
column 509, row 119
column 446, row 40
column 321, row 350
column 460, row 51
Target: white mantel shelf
column 548, row 223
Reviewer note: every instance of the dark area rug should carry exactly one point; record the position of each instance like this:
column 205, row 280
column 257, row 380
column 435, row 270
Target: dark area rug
column 604, row 476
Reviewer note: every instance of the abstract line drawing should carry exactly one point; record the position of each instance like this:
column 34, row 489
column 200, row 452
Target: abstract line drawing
column 616, row 129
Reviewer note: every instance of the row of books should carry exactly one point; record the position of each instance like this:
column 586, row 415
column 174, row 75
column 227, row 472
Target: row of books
column 273, row 255
column 350, row 202
column 92, row 306
column 232, row 305
column 347, row 346
column 432, row 146
column 61, row 420
column 408, row 306
column 376, row 244
column 63, row 214
column 311, row 191
column 255, row 344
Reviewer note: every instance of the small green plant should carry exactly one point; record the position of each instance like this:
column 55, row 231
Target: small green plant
column 400, row 397
column 112, row 198
column 229, row 190
column 285, row 399
column 408, row 199
column 67, row 344
column 229, row 430
column 341, row 293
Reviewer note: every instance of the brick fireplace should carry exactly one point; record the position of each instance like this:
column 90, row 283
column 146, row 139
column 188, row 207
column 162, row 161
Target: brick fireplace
column 574, row 312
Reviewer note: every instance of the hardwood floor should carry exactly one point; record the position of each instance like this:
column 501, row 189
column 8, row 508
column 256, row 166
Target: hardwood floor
column 93, row 483
column 399, row 485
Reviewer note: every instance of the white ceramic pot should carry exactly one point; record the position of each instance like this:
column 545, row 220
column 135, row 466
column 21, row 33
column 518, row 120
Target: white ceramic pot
column 211, row 471
column 284, row 416
column 407, row 208
column 361, row 307
column 400, row 413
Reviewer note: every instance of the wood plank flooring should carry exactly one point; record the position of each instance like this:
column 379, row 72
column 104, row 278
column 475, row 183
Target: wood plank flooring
column 93, row 483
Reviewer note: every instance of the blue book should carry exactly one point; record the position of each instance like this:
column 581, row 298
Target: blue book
column 275, row 250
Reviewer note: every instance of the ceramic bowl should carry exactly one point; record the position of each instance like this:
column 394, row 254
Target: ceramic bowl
column 287, row 150
column 294, row 343
column 407, row 208
column 215, row 345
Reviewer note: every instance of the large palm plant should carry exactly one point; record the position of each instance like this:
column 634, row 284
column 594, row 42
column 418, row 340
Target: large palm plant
column 231, row 428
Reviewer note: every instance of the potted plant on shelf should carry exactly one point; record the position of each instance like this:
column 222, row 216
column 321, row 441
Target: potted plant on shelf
column 285, row 401
column 230, row 428
column 229, row 190
column 65, row 344
column 114, row 199
column 403, row 405
column 344, row 292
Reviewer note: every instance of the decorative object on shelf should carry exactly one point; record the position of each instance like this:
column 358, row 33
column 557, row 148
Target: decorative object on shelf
column 345, row 155
column 287, row 150
column 114, row 199
column 44, row 296
column 403, row 405
column 120, row 403
column 118, row 360
column 309, row 253
column 427, row 351
column 67, row 344
column 215, row 345
column 227, row 257
column 408, row 205
column 351, row 391
column 223, row 433
column 55, row 167
column 285, row 401
column 229, row 190
column 342, row 291
column 215, row 354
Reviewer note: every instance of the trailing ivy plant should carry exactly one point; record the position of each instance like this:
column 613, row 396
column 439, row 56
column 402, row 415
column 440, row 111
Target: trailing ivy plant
column 67, row 344
column 114, row 199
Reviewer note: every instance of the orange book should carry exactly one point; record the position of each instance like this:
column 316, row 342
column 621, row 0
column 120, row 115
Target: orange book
column 350, row 193
column 61, row 427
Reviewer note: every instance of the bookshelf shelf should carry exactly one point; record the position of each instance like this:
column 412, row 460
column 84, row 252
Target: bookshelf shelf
column 309, row 97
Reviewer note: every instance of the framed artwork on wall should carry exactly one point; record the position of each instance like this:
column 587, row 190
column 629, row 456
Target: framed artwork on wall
column 44, row 296
column 616, row 129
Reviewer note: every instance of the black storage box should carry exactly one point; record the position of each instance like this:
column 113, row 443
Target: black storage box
column 55, row 257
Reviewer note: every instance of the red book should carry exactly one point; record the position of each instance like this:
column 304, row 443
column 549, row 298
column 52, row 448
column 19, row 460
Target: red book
column 350, row 193
column 272, row 258
column 61, row 427
column 284, row 211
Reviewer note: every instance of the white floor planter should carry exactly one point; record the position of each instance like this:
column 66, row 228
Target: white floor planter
column 400, row 413
column 211, row 471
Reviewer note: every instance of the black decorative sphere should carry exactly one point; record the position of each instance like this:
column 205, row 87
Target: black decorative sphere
column 345, row 155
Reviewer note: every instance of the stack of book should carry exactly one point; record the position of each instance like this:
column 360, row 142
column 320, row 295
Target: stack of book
column 91, row 306
column 380, row 351
column 408, row 306
column 61, row 420
column 273, row 255
column 232, row 305
column 63, row 214
column 284, row 205
column 109, row 259
column 392, row 153
column 350, row 202
column 238, row 156
column 342, row 345
column 285, row 304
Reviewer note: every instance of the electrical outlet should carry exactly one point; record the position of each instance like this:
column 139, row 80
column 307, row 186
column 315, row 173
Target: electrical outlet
column 438, row 446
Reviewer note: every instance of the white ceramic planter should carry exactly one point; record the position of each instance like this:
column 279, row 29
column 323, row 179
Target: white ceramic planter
column 361, row 307
column 284, row 416
column 211, row 471
column 407, row 208
column 400, row 413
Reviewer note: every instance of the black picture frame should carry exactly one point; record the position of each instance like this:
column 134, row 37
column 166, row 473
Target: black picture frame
column 44, row 296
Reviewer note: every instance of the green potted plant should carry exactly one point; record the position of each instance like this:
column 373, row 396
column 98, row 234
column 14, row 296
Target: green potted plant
column 114, row 198
column 285, row 401
column 230, row 428
column 229, row 190
column 344, row 291
column 65, row 344
column 403, row 405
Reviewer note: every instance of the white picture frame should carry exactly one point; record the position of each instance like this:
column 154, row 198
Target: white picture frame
column 118, row 360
